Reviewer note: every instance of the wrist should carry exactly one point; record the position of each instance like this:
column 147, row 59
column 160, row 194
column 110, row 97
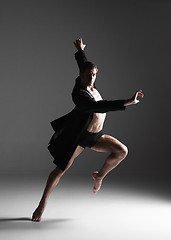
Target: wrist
column 80, row 49
column 128, row 102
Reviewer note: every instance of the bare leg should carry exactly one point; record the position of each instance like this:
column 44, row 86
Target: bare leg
column 118, row 151
column 52, row 181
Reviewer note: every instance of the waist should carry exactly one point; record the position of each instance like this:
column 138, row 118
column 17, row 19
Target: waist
column 96, row 125
column 86, row 134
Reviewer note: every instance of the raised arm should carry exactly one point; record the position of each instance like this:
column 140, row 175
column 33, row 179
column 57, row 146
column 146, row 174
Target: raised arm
column 80, row 54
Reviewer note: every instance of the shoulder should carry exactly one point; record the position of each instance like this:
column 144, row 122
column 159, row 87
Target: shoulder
column 85, row 92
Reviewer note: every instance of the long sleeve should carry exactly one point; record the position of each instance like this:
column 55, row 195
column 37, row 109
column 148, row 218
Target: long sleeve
column 80, row 58
column 85, row 103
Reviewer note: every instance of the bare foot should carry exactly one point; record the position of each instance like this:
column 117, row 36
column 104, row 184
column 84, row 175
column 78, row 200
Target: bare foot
column 38, row 214
column 98, row 181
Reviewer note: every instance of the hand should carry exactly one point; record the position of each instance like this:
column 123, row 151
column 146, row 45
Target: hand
column 137, row 94
column 79, row 44
column 134, row 99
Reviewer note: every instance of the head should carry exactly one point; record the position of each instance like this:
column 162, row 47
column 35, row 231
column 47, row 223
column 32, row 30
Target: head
column 88, row 74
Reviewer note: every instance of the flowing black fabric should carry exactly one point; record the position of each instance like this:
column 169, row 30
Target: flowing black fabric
column 69, row 127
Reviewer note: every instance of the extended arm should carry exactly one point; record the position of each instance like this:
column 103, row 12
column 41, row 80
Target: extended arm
column 80, row 54
column 85, row 103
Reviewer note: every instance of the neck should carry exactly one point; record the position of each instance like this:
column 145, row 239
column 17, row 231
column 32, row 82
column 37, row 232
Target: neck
column 90, row 87
column 87, row 86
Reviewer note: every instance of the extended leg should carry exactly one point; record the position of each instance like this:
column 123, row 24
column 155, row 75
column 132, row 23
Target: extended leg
column 52, row 181
column 118, row 152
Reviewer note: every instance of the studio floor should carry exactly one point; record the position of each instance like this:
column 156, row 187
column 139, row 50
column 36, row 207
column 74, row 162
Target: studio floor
column 120, row 210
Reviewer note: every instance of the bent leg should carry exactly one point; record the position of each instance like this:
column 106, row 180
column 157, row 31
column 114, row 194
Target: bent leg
column 52, row 181
column 118, row 152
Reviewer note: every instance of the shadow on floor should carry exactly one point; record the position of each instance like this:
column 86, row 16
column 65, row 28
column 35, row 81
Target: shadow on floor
column 14, row 219
column 25, row 223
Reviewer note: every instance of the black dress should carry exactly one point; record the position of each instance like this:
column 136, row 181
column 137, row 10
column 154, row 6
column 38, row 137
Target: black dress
column 69, row 127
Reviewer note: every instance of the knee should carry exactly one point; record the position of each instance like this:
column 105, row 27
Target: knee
column 122, row 152
column 57, row 172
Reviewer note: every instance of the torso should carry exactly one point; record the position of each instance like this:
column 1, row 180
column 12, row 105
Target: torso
column 97, row 122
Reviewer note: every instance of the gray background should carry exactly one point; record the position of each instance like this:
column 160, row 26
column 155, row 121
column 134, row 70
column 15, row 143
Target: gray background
column 130, row 43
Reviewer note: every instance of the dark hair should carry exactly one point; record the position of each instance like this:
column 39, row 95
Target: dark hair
column 88, row 65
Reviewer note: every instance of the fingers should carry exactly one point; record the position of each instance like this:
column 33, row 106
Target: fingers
column 78, row 41
column 139, row 93
column 136, row 95
column 79, row 44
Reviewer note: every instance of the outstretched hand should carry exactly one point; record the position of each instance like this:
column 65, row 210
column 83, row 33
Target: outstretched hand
column 79, row 44
column 136, row 95
column 134, row 99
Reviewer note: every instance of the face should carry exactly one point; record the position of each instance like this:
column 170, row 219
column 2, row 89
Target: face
column 88, row 77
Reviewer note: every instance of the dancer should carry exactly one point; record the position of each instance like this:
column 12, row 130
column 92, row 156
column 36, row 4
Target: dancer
column 82, row 127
